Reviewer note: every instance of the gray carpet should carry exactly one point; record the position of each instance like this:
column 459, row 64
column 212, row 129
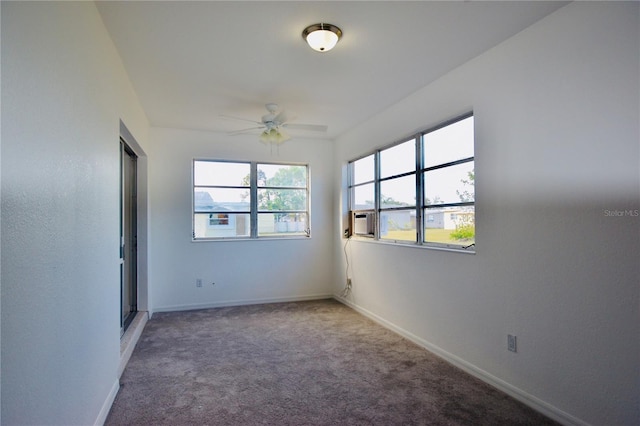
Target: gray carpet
column 307, row 363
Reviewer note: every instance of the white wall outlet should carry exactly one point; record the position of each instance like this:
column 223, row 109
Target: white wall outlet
column 198, row 282
column 512, row 343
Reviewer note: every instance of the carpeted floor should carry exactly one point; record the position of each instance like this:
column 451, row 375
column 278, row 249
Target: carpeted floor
column 306, row 363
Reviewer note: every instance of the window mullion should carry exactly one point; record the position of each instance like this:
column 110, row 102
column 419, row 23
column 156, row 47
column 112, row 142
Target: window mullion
column 308, row 206
column 419, row 190
column 254, row 199
column 449, row 164
column 350, row 198
column 376, row 197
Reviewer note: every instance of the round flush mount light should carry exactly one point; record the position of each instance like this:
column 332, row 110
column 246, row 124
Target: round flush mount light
column 322, row 37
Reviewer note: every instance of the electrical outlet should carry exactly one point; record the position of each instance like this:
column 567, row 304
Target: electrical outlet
column 198, row 282
column 512, row 343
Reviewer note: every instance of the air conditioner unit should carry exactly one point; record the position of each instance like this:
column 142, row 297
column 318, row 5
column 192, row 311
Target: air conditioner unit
column 363, row 223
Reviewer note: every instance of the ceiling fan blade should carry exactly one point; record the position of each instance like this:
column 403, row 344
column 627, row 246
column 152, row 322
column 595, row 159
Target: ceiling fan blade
column 238, row 132
column 240, row 118
column 311, row 127
column 285, row 136
column 281, row 117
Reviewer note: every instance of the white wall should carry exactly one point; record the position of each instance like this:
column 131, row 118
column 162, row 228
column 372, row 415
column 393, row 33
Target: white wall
column 557, row 145
column 64, row 91
column 243, row 271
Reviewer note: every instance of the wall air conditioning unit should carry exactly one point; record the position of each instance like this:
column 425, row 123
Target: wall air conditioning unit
column 363, row 223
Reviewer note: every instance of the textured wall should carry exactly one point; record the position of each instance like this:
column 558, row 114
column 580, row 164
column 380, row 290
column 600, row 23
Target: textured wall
column 64, row 92
column 556, row 112
column 244, row 271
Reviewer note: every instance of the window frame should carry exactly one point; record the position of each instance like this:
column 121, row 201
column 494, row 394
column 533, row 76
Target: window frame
column 421, row 208
column 254, row 211
column 352, row 186
column 380, row 180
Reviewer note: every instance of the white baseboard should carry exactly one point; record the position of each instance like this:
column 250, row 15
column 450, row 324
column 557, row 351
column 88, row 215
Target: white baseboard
column 127, row 344
column 106, row 407
column 130, row 338
column 241, row 302
column 516, row 393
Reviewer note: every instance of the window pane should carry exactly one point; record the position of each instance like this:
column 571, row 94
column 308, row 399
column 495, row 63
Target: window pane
column 208, row 199
column 282, row 199
column 363, row 170
column 451, row 143
column 398, row 159
column 221, row 225
column 219, row 173
column 454, row 184
column 362, row 197
column 279, row 224
column 398, row 192
column 282, row 175
column 398, row 225
column 456, row 225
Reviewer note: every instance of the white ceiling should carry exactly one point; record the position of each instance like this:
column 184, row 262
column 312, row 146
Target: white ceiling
column 190, row 62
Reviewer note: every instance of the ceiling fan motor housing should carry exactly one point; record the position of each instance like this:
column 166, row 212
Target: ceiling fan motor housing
column 277, row 120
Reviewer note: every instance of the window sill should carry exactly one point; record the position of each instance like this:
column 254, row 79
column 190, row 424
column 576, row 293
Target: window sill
column 413, row 245
column 220, row 240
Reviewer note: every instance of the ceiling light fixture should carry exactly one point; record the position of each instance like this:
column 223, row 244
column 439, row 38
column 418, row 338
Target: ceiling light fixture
column 274, row 136
column 322, row 37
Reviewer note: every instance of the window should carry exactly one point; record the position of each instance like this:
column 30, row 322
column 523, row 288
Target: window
column 249, row 200
column 282, row 200
column 449, row 178
column 398, row 192
column 362, row 188
column 422, row 189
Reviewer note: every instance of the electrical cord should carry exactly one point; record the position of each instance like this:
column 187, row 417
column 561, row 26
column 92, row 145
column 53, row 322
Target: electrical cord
column 347, row 287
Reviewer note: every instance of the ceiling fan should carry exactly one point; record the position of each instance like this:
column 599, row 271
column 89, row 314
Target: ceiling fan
column 273, row 125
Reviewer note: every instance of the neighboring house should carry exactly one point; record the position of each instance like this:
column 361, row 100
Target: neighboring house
column 397, row 220
column 224, row 222
column 441, row 225
column 448, row 219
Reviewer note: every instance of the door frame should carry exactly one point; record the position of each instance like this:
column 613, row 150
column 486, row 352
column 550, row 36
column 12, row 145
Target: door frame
column 144, row 296
column 128, row 235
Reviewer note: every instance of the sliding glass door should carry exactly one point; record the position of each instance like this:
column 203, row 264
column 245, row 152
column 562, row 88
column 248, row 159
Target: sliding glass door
column 128, row 236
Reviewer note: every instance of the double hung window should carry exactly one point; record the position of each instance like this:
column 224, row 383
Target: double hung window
column 363, row 184
column 448, row 170
column 398, row 192
column 249, row 200
column 422, row 189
